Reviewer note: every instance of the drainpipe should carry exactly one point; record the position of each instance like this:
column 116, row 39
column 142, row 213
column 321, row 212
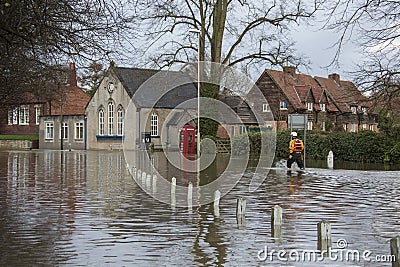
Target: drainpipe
column 138, row 141
column 85, row 131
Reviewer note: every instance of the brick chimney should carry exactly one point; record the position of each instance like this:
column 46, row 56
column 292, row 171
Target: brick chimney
column 290, row 69
column 72, row 75
column 335, row 77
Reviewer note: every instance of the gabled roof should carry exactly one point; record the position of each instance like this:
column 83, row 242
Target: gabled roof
column 74, row 101
column 296, row 87
column 154, row 84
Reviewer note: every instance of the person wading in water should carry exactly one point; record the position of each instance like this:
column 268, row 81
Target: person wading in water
column 296, row 148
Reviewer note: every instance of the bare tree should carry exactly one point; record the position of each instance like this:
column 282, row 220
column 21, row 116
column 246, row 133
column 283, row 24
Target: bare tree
column 375, row 25
column 37, row 35
column 91, row 77
column 232, row 32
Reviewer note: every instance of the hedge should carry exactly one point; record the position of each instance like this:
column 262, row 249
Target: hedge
column 364, row 146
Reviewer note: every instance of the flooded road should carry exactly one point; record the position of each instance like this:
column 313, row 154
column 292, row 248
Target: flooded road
column 84, row 209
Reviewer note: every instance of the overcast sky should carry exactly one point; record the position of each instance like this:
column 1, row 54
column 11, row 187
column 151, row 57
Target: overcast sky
column 316, row 45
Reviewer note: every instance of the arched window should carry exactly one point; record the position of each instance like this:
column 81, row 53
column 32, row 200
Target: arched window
column 154, row 124
column 120, row 121
column 110, row 118
column 101, row 121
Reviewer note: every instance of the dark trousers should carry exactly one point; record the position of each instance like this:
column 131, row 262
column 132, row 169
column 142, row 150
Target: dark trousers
column 295, row 157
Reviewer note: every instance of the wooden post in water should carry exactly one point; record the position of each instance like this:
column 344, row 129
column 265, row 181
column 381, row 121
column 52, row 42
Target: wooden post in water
column 173, row 190
column 330, row 159
column 276, row 221
column 395, row 251
column 241, row 211
column 190, row 195
column 217, row 197
column 324, row 236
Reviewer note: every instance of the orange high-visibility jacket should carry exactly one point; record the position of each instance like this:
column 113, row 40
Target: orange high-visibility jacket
column 296, row 145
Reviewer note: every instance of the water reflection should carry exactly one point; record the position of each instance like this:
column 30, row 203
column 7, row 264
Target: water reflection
column 84, row 208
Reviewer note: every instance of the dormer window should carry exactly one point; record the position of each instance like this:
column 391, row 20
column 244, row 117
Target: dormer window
column 353, row 110
column 323, row 107
column 283, row 105
column 266, row 108
column 309, row 106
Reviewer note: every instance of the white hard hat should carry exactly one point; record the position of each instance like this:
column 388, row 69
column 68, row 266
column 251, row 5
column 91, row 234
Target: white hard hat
column 293, row 134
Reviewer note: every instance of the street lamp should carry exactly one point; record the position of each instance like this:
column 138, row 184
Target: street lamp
column 198, row 93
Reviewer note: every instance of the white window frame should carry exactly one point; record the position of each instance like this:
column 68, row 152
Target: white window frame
column 242, row 129
column 154, row 124
column 10, row 117
column 309, row 106
column 283, row 105
column 322, row 106
column 345, row 127
column 110, row 115
column 364, row 126
column 323, row 126
column 353, row 109
column 64, row 133
column 353, row 127
column 120, row 121
column 15, row 116
column 364, row 110
column 266, row 107
column 371, row 127
column 309, row 125
column 49, row 130
column 101, row 122
column 24, row 115
column 37, row 115
column 79, row 126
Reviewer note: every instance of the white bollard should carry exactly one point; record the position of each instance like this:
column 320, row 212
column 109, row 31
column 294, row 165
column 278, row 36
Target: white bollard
column 173, row 190
column 276, row 221
column 144, row 175
column 148, row 180
column 324, row 236
column 240, row 212
column 154, row 183
column 190, row 195
column 217, row 197
column 330, row 159
column 134, row 173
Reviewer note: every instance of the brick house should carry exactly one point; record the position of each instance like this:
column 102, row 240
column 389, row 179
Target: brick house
column 24, row 117
column 65, row 122
column 328, row 102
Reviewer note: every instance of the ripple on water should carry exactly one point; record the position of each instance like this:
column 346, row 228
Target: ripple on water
column 95, row 215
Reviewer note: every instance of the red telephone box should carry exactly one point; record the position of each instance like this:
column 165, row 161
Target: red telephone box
column 187, row 139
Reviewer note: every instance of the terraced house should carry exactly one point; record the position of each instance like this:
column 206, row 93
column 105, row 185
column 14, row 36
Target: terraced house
column 330, row 103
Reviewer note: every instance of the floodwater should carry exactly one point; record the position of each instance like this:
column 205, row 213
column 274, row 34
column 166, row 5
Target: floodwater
column 85, row 209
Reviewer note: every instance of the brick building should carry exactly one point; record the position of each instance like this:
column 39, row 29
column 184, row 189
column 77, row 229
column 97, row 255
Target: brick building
column 64, row 120
column 328, row 102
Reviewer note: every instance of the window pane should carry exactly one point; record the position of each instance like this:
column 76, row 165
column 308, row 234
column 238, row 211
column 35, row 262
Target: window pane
column 154, row 125
column 101, row 122
column 49, row 130
column 120, row 121
column 110, row 118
